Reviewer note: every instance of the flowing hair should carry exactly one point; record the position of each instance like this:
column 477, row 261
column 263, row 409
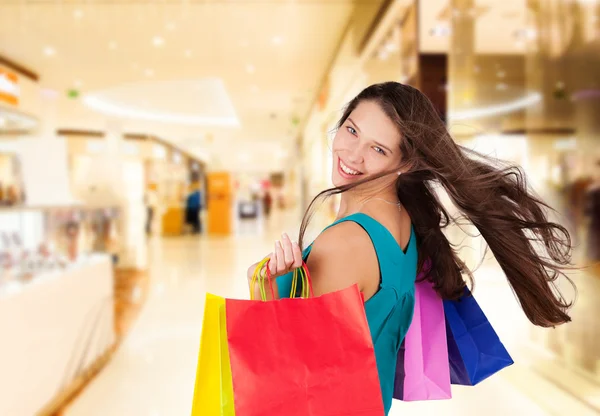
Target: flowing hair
column 494, row 196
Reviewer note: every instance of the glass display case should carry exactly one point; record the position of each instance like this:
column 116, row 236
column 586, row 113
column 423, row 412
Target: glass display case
column 38, row 239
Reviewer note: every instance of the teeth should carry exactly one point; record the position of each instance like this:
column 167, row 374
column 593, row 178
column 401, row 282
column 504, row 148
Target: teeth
column 347, row 170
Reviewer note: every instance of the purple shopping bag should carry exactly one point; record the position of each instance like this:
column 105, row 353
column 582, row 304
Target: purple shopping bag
column 422, row 368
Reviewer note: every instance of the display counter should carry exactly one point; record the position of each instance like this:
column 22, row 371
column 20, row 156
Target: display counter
column 52, row 329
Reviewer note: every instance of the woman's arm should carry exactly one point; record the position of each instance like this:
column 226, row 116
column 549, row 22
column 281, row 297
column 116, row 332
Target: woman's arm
column 341, row 256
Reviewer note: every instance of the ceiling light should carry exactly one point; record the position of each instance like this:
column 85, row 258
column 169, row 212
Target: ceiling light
column 501, row 86
column 390, row 46
column 501, row 74
column 277, row 40
column 383, row 54
column 135, row 66
column 118, row 110
column 149, row 72
column 171, row 26
column 244, row 43
column 49, row 93
column 495, row 110
column 158, row 41
column 2, row 122
column 112, row 45
column 77, row 83
column 250, row 69
column 254, row 88
column 78, row 14
column 188, row 53
column 49, row 51
column 440, row 31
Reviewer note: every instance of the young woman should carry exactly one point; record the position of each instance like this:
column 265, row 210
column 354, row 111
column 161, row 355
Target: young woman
column 390, row 154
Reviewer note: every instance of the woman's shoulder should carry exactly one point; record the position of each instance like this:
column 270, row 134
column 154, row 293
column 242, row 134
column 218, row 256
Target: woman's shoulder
column 344, row 236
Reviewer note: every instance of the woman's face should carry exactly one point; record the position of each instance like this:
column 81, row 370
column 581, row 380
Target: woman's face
column 366, row 144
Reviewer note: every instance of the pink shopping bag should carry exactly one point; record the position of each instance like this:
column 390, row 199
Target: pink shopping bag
column 425, row 356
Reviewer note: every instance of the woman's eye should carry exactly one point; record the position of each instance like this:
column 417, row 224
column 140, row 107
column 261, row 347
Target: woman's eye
column 351, row 130
column 379, row 150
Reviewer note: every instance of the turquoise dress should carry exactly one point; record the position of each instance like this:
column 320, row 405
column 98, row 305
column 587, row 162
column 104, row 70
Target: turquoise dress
column 390, row 310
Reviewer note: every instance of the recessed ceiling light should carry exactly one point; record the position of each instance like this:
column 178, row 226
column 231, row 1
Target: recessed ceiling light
column 135, row 66
column 49, row 51
column 501, row 74
column 112, row 45
column 244, row 43
column 78, row 14
column 250, row 69
column 188, row 53
column 171, row 26
column 158, row 41
column 254, row 88
column 149, row 72
column 277, row 40
column 501, row 86
column 77, row 83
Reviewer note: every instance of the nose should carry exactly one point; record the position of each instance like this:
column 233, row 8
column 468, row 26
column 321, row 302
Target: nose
column 355, row 155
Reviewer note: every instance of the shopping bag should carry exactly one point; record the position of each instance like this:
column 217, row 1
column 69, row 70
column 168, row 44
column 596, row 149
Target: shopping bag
column 213, row 391
column 474, row 349
column 422, row 367
column 293, row 357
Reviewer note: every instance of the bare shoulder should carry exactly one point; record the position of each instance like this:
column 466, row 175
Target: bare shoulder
column 344, row 237
column 341, row 256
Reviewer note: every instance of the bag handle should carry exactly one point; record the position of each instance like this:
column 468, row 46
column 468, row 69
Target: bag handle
column 262, row 273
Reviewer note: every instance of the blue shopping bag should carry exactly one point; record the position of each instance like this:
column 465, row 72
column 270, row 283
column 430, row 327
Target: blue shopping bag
column 474, row 349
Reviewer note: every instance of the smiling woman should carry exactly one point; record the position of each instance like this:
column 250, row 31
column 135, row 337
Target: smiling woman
column 391, row 153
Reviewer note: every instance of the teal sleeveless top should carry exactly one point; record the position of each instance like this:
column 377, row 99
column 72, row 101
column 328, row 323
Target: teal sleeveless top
column 390, row 310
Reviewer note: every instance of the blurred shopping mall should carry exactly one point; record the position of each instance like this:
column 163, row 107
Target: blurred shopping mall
column 152, row 150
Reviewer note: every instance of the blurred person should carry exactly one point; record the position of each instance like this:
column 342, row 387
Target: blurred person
column 593, row 212
column 192, row 210
column 391, row 153
column 151, row 201
column 267, row 203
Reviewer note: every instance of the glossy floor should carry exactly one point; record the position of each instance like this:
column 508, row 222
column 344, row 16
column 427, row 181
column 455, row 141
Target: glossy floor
column 153, row 372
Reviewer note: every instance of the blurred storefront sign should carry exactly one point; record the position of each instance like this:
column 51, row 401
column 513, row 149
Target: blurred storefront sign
column 9, row 87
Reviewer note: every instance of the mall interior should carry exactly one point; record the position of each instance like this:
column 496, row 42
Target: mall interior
column 152, row 150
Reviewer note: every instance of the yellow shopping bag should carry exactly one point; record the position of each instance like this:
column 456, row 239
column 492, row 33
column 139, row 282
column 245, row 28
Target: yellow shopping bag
column 213, row 392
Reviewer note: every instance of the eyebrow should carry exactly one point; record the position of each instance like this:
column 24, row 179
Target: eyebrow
column 377, row 143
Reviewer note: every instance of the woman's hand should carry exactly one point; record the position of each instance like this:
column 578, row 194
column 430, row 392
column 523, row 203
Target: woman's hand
column 285, row 257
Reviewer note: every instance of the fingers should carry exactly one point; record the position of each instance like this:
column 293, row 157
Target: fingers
column 273, row 261
column 286, row 257
column 297, row 256
column 281, row 267
column 287, row 251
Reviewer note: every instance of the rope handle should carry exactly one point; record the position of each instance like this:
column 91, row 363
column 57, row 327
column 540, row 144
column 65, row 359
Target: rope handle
column 262, row 273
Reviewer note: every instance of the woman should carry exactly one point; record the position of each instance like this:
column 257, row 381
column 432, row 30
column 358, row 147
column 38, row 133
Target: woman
column 391, row 151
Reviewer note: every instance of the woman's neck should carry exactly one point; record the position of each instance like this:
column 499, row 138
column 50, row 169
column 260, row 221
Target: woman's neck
column 351, row 203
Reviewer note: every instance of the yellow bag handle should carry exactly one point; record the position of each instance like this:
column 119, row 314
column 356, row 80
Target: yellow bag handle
column 262, row 274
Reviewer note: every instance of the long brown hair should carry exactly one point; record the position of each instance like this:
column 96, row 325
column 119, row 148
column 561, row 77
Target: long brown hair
column 493, row 195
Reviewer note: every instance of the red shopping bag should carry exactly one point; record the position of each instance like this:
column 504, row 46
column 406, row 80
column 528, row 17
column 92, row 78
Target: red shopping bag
column 302, row 357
